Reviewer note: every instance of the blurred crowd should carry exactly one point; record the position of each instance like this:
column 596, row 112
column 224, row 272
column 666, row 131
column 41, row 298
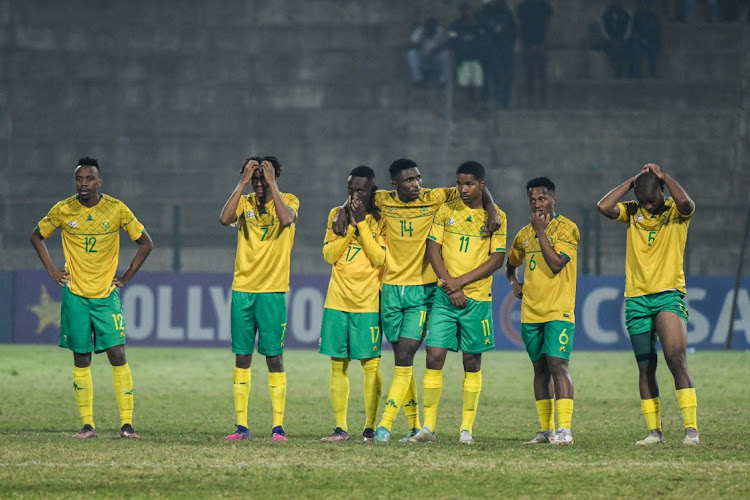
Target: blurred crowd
column 476, row 51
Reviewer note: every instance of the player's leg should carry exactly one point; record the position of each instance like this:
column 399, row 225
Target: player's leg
column 558, row 345
column 404, row 351
column 373, row 389
column 334, row 342
column 671, row 324
column 418, row 304
column 108, row 324
column 75, row 335
column 271, row 317
column 365, row 341
column 639, row 323
column 443, row 336
column 471, row 390
column 243, row 328
column 544, row 394
column 432, row 387
column 476, row 335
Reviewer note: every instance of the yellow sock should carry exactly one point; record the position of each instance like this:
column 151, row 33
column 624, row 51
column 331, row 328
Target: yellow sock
column 545, row 408
column 340, row 391
column 432, row 387
column 402, row 377
column 651, row 411
column 242, row 379
column 472, row 388
column 564, row 412
column 373, row 389
column 411, row 407
column 277, row 388
column 123, row 381
column 83, row 386
column 688, row 402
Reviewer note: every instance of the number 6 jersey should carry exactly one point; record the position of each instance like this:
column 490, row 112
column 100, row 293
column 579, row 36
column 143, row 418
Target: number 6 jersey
column 547, row 296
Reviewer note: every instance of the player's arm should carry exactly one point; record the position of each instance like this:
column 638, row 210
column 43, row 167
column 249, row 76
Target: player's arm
column 511, row 272
column 145, row 245
column 229, row 211
column 435, row 257
column 682, row 200
column 285, row 214
column 484, row 270
column 59, row 276
column 608, row 204
column 372, row 248
column 555, row 261
column 341, row 221
column 493, row 218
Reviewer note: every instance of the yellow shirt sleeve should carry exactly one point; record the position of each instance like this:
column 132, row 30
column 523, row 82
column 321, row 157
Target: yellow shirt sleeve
column 334, row 245
column 373, row 248
column 517, row 254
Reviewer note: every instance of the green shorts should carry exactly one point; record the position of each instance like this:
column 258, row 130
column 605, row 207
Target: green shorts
column 264, row 313
column 91, row 324
column 469, row 329
column 641, row 311
column 405, row 310
column 553, row 338
column 639, row 320
column 350, row 335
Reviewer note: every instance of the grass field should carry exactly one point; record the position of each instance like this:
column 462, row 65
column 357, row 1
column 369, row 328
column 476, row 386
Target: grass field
column 184, row 408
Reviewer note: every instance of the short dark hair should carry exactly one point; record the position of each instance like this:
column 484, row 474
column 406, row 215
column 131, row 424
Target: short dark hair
column 471, row 168
column 400, row 165
column 538, row 182
column 645, row 182
column 277, row 166
column 363, row 171
column 89, row 162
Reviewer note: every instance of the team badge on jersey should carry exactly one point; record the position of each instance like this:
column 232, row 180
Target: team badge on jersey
column 424, row 210
column 468, row 219
column 250, row 214
column 89, row 218
column 526, row 243
column 639, row 218
column 105, row 225
column 451, row 221
column 73, row 223
column 551, row 241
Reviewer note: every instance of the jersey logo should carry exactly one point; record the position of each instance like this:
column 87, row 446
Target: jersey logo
column 639, row 218
column 73, row 223
column 526, row 243
column 468, row 219
column 250, row 214
column 551, row 241
column 424, row 210
column 391, row 209
column 451, row 221
column 89, row 218
column 105, row 225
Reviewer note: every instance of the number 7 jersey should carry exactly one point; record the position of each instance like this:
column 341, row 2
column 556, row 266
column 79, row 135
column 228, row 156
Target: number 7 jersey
column 91, row 241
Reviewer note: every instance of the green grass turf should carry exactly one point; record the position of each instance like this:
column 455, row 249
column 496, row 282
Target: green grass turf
column 184, row 408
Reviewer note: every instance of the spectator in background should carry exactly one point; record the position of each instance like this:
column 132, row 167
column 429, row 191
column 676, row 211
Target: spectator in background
column 614, row 21
column 429, row 53
column 467, row 49
column 499, row 32
column 645, row 37
column 533, row 19
column 713, row 10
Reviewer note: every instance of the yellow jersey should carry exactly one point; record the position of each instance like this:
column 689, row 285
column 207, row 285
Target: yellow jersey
column 407, row 228
column 264, row 248
column 358, row 264
column 547, row 296
column 655, row 247
column 466, row 245
column 91, row 241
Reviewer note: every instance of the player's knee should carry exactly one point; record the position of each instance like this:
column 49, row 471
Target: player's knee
column 677, row 362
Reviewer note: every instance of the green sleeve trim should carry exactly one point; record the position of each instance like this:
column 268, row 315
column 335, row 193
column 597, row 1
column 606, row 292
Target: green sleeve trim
column 565, row 255
column 432, row 238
